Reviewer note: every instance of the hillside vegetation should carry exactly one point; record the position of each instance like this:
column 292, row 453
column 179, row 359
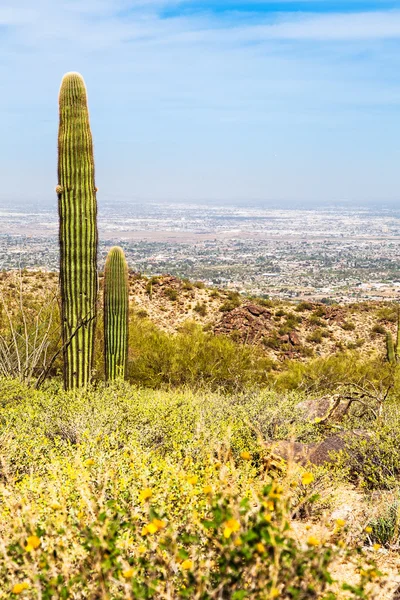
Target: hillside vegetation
column 219, row 469
column 123, row 492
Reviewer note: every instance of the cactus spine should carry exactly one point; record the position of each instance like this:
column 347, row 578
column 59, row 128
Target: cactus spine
column 116, row 311
column 77, row 209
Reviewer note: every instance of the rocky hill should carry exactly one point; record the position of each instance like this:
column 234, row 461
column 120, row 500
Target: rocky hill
column 283, row 329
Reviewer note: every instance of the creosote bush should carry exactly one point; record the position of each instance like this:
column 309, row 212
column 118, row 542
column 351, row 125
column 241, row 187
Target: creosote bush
column 192, row 357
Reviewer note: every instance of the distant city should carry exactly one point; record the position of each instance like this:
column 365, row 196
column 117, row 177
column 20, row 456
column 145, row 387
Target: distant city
column 329, row 254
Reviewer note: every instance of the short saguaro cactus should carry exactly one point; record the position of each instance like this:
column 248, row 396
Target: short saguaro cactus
column 116, row 314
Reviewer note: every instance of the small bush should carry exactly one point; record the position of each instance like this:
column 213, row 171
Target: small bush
column 201, row 309
column 315, row 337
column 229, row 305
column 379, row 329
column 171, row 294
column 302, row 306
column 388, row 314
column 348, row 326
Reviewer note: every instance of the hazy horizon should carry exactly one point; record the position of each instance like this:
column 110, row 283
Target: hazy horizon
column 290, row 103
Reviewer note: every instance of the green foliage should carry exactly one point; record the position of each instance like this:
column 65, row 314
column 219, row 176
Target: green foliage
column 348, row 326
column 171, row 294
column 77, row 206
column 378, row 329
column 302, row 306
column 385, row 528
column 192, row 357
column 201, row 309
column 116, row 313
column 229, row 305
column 329, row 373
column 387, row 314
column 126, row 493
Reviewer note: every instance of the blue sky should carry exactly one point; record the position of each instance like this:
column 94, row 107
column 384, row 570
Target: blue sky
column 290, row 101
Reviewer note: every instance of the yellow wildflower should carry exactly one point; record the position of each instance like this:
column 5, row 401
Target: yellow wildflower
column 376, row 547
column 245, row 455
column 187, row 564
column 142, row 549
column 307, row 478
column 238, row 541
column 275, row 593
column 340, row 523
column 153, row 527
column 260, row 548
column 368, row 529
column 159, row 524
column 313, row 541
column 207, row 489
column 192, row 479
column 128, row 573
column 276, row 492
column 55, row 505
column 20, row 587
column 89, row 462
column 230, row 527
column 32, row 543
column 268, row 517
column 145, row 494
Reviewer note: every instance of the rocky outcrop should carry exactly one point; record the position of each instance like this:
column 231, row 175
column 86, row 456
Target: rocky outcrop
column 249, row 323
column 316, row 454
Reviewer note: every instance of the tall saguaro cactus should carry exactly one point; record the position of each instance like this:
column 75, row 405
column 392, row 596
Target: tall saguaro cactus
column 116, row 311
column 77, row 209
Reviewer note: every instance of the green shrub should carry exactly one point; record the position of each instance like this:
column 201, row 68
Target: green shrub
column 330, row 373
column 315, row 337
column 385, row 529
column 171, row 294
column 348, row 326
column 379, row 329
column 201, row 309
column 229, row 305
column 387, row 314
column 192, row 357
column 373, row 462
column 302, row 306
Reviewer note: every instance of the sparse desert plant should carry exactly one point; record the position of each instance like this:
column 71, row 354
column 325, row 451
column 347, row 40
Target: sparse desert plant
column 201, row 309
column 29, row 334
column 116, row 313
column 348, row 326
column 171, row 294
column 302, row 306
column 77, row 207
